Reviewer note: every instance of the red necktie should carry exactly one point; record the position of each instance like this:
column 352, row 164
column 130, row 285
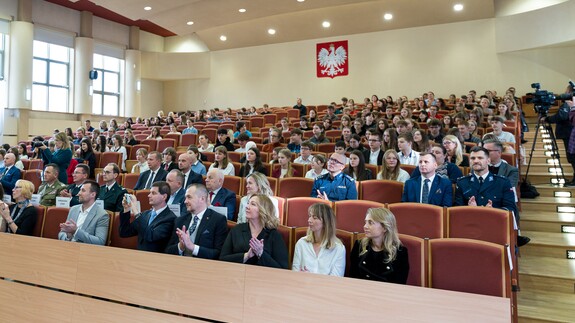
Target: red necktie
column 211, row 196
column 166, row 167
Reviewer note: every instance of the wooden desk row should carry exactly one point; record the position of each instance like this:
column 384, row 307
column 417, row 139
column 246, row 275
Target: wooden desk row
column 204, row 289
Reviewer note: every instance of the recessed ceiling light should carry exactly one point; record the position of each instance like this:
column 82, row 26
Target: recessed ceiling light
column 223, row 38
column 388, row 16
column 242, row 10
column 458, row 7
column 271, row 31
column 148, row 8
column 189, row 23
column 325, row 24
column 300, row 0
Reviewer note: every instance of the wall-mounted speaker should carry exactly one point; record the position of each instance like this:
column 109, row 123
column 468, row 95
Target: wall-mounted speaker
column 93, row 75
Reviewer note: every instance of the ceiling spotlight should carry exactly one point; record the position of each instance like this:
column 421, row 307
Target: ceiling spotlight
column 325, row 24
column 189, row 23
column 148, row 8
column 300, row 0
column 458, row 7
column 271, row 31
column 242, row 10
column 388, row 16
column 223, row 38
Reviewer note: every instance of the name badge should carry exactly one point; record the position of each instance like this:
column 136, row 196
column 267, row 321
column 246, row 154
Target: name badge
column 220, row 209
column 35, row 200
column 7, row 199
column 63, row 201
column 100, row 203
column 175, row 208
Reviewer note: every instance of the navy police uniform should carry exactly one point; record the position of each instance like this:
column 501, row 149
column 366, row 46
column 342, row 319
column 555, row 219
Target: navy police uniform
column 495, row 188
column 340, row 188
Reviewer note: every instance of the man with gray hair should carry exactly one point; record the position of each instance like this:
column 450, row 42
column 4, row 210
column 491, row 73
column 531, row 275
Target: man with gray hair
column 218, row 195
column 175, row 180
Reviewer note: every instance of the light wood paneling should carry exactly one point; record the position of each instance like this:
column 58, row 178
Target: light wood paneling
column 45, row 262
column 178, row 284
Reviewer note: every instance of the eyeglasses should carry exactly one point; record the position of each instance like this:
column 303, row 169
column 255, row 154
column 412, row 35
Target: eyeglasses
column 17, row 187
column 79, row 173
column 107, row 172
column 448, row 142
column 333, row 160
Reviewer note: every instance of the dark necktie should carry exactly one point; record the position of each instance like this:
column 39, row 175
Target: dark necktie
column 149, row 183
column 480, row 181
column 166, row 166
column 194, row 225
column 425, row 193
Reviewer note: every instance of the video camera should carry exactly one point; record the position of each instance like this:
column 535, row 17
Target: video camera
column 543, row 99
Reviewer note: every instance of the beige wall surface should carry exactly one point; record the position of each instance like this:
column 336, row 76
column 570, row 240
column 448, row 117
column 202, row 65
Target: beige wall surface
column 449, row 58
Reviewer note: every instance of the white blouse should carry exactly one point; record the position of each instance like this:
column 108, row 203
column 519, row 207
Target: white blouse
column 311, row 173
column 229, row 170
column 402, row 177
column 327, row 262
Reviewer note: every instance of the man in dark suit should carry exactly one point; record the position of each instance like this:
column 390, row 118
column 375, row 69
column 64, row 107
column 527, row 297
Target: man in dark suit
column 218, row 195
column 429, row 187
column 201, row 232
column 80, row 175
column 154, row 174
column 498, row 166
column 374, row 155
column 10, row 174
column 175, row 179
column 185, row 162
column 111, row 192
column 153, row 227
column 86, row 222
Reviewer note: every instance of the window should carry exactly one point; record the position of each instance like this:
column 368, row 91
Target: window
column 2, row 55
column 106, row 96
column 51, row 77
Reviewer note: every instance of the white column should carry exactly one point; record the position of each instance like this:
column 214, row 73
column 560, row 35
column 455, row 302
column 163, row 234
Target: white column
column 133, row 84
column 84, row 62
column 21, row 56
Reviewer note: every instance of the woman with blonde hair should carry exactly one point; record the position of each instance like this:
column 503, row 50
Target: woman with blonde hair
column 286, row 168
column 20, row 217
column 142, row 164
column 222, row 162
column 320, row 251
column 455, row 151
column 61, row 156
column 257, row 242
column 256, row 183
column 155, row 134
column 390, row 169
column 380, row 256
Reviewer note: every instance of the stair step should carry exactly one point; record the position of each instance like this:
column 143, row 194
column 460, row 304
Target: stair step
column 548, row 190
column 549, row 204
column 543, row 177
column 545, row 221
column 548, row 244
column 546, row 273
column 558, row 306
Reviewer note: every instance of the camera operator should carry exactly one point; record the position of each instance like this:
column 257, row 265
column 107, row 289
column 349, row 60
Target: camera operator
column 564, row 127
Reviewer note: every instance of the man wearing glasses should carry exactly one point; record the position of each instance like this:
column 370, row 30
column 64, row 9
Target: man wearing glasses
column 80, row 175
column 111, row 192
column 335, row 186
column 374, row 155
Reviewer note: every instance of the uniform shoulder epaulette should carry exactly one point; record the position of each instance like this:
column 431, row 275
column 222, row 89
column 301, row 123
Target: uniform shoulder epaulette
column 326, row 175
column 348, row 177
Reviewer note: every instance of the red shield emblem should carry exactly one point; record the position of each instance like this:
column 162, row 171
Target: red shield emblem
column 332, row 59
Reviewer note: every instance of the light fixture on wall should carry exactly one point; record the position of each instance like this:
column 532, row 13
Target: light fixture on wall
column 90, row 90
column 138, row 85
column 28, row 94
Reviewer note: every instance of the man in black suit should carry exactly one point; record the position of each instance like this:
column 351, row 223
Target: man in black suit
column 154, row 174
column 185, row 162
column 80, row 175
column 111, row 192
column 374, row 155
column 218, row 195
column 201, row 232
column 153, row 227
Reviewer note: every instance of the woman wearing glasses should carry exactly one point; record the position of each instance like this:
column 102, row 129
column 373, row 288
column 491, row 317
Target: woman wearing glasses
column 20, row 217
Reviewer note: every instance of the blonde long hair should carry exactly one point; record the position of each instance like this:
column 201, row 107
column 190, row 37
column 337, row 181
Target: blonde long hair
column 391, row 241
column 325, row 213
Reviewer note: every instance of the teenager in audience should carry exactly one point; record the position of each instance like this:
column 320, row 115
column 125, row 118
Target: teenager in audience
column 318, row 134
column 420, row 141
column 118, row 147
column 256, row 183
column 380, row 256
column 253, row 163
column 286, row 169
column 304, row 124
column 86, row 153
column 305, row 156
column 390, row 169
column 205, row 144
column 155, row 134
column 222, row 162
column 142, row 164
column 129, row 138
column 317, row 167
column 358, row 127
column 257, row 242
column 406, row 153
column 356, row 167
column 23, row 151
column 320, row 251
column 312, row 117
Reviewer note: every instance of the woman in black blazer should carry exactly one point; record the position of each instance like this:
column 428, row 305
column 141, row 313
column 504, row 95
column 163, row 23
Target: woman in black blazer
column 20, row 217
column 380, row 256
column 257, row 242
column 253, row 163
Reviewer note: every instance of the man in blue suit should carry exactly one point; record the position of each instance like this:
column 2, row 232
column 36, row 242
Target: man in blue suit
column 429, row 187
column 153, row 227
column 154, row 174
column 9, row 174
column 176, row 179
column 218, row 195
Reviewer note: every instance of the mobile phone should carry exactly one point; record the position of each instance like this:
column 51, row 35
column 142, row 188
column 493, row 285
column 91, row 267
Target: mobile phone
column 128, row 198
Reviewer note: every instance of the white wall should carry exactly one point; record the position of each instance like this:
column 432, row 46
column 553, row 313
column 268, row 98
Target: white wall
column 450, row 58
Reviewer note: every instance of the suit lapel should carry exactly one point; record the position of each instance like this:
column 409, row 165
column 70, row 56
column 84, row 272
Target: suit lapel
column 202, row 225
column 89, row 217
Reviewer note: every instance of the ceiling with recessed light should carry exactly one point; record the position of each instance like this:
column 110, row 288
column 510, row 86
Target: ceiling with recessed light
column 292, row 20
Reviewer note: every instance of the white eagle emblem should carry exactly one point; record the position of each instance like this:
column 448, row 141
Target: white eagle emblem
column 331, row 60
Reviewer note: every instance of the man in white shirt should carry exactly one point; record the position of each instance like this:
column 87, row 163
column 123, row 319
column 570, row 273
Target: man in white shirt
column 407, row 156
column 374, row 155
column 201, row 232
column 506, row 138
column 87, row 222
column 305, row 153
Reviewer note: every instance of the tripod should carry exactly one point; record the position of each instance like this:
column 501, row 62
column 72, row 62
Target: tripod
column 554, row 149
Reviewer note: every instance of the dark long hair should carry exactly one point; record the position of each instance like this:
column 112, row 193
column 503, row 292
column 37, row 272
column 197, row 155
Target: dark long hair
column 360, row 173
column 257, row 163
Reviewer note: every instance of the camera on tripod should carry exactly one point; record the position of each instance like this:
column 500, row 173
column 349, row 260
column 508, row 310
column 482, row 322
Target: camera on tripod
column 543, row 99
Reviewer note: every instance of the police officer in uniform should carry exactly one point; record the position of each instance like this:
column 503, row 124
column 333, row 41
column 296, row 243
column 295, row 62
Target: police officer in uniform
column 482, row 188
column 335, row 186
